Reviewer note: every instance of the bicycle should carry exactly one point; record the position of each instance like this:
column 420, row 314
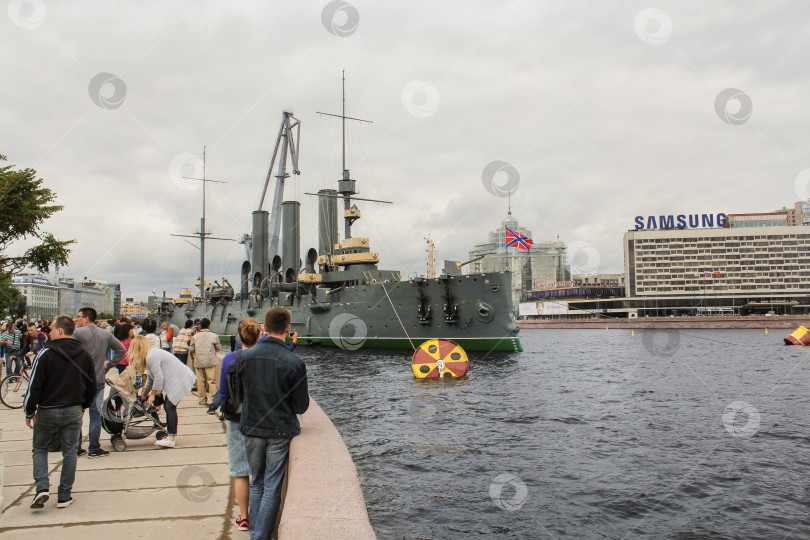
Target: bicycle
column 14, row 387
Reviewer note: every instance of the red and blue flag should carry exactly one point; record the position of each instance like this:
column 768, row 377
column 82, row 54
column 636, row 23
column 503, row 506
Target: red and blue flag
column 515, row 239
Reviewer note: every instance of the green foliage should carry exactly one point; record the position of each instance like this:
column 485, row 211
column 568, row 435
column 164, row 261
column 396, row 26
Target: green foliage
column 18, row 311
column 104, row 315
column 8, row 294
column 25, row 204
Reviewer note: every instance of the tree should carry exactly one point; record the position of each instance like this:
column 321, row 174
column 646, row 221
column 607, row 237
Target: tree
column 8, row 294
column 18, row 311
column 24, row 205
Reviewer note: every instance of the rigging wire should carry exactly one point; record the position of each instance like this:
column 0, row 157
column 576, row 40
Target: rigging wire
column 397, row 314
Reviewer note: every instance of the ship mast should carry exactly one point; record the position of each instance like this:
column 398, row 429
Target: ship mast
column 202, row 234
column 346, row 186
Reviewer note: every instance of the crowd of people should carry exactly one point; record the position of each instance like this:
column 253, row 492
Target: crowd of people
column 258, row 391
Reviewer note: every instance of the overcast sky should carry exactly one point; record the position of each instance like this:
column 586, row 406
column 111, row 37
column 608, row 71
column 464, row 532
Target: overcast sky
column 603, row 110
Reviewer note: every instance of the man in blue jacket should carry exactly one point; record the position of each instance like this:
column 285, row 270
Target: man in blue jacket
column 62, row 385
column 272, row 386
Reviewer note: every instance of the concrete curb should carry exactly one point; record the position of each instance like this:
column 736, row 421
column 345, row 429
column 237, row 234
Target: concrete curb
column 324, row 498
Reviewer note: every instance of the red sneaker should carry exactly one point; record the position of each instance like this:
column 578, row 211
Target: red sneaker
column 242, row 524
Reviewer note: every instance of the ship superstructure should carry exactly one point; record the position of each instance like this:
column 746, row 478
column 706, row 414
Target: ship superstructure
column 338, row 295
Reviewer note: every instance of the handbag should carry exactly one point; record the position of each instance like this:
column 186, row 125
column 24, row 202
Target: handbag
column 232, row 408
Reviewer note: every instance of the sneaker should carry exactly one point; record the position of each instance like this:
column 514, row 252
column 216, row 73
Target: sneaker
column 242, row 524
column 98, row 453
column 168, row 443
column 64, row 504
column 40, row 499
column 212, row 410
column 81, row 452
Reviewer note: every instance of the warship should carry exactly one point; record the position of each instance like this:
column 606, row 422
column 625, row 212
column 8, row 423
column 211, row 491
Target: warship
column 338, row 295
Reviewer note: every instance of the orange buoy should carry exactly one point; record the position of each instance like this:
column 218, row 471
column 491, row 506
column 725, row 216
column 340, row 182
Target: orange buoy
column 439, row 358
column 800, row 337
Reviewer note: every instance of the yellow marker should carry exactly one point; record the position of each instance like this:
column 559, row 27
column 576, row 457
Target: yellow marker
column 766, row 330
column 632, row 333
column 606, row 327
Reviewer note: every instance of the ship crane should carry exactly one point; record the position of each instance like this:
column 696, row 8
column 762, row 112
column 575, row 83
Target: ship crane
column 431, row 260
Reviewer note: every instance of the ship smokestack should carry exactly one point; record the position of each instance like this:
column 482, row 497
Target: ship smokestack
column 261, row 258
column 291, row 237
column 312, row 258
column 327, row 222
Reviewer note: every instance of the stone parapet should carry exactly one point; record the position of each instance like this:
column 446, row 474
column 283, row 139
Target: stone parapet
column 324, row 498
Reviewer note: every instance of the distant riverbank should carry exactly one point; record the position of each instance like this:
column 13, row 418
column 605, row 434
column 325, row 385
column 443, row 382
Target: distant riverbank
column 775, row 321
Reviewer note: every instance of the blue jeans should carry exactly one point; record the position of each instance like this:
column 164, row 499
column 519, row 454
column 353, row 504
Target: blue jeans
column 268, row 463
column 171, row 417
column 67, row 422
column 94, row 431
column 216, row 401
column 17, row 361
column 183, row 357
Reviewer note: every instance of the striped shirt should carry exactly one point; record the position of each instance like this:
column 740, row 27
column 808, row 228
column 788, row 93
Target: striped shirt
column 15, row 337
column 181, row 340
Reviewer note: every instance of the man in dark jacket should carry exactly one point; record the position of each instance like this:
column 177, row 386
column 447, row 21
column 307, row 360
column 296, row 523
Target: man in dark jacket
column 62, row 385
column 272, row 386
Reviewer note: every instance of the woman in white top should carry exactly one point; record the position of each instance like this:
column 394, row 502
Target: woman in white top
column 165, row 373
column 149, row 329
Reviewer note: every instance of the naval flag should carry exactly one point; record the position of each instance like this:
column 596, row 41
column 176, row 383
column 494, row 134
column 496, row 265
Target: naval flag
column 515, row 239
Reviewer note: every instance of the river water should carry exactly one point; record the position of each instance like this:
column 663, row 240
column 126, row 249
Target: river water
column 586, row 434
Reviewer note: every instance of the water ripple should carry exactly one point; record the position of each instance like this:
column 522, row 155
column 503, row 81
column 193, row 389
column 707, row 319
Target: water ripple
column 587, row 434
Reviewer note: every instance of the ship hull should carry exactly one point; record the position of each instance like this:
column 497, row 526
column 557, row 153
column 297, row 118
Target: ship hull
column 474, row 310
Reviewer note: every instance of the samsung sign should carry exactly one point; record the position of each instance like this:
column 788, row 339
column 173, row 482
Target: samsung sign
column 681, row 221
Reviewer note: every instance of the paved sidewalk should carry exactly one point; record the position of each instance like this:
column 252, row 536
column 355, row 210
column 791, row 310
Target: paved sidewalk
column 145, row 491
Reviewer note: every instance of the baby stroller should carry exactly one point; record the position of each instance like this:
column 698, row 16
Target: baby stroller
column 123, row 416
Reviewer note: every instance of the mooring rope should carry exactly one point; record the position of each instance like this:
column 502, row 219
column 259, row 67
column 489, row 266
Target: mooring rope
column 397, row 314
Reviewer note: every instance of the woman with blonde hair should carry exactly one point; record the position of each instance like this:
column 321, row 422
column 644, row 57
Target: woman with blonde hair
column 238, row 467
column 165, row 373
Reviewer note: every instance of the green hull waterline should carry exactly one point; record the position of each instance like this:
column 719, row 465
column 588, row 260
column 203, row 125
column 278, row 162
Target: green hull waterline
column 468, row 344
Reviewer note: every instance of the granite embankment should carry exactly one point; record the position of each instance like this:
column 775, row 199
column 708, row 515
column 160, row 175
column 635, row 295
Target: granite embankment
column 787, row 322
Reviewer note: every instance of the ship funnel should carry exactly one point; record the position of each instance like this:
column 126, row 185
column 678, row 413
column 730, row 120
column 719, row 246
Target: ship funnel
column 327, row 222
column 312, row 258
column 261, row 236
column 245, row 282
column 291, row 237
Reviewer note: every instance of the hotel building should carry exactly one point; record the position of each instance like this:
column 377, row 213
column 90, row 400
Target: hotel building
column 48, row 297
column 41, row 295
column 742, row 269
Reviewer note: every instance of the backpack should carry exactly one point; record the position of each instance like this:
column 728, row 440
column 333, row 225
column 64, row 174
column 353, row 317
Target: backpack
column 232, row 408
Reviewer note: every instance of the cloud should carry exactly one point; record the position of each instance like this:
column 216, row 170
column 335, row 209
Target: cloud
column 601, row 125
